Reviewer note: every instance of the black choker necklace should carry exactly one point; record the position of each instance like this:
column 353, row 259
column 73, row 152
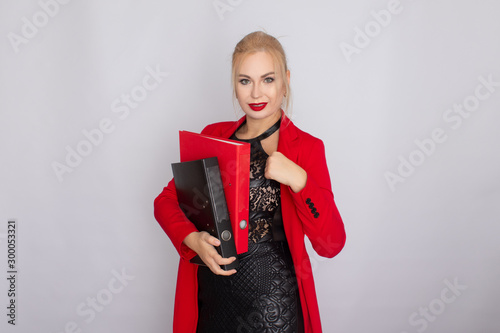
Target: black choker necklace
column 264, row 135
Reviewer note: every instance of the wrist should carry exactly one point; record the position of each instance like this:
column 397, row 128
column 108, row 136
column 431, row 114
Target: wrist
column 191, row 240
column 299, row 181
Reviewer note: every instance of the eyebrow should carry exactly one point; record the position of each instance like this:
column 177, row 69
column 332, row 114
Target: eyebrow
column 262, row 76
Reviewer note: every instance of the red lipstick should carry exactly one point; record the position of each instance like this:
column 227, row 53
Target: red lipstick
column 257, row 106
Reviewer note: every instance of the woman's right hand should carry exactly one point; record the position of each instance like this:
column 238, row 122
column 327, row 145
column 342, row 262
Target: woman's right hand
column 204, row 245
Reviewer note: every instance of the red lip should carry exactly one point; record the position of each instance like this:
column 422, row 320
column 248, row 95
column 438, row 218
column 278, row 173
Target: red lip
column 257, row 106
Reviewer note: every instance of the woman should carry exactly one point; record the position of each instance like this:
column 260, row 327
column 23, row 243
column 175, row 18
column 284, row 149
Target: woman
column 290, row 196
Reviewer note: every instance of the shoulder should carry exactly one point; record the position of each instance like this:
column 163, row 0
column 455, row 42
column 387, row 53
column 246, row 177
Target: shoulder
column 304, row 137
column 218, row 128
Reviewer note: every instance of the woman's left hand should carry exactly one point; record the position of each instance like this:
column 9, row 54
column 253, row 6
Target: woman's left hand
column 283, row 170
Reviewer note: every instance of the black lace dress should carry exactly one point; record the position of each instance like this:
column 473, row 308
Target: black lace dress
column 262, row 297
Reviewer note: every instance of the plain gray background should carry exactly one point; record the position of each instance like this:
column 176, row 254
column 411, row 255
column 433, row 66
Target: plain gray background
column 411, row 64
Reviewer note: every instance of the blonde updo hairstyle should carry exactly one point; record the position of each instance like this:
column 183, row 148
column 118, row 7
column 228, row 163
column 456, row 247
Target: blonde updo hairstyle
column 260, row 41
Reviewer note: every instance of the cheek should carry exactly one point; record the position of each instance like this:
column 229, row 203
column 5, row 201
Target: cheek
column 238, row 92
column 282, row 90
column 277, row 94
column 242, row 96
column 242, row 90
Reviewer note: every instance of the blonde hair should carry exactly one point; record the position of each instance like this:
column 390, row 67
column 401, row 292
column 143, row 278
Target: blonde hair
column 260, row 41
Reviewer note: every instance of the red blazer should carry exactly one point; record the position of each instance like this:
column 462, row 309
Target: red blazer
column 311, row 212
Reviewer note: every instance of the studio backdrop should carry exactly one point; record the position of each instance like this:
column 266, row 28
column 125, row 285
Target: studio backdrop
column 405, row 94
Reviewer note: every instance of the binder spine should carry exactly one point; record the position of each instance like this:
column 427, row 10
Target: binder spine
column 216, row 190
column 241, row 200
column 220, row 211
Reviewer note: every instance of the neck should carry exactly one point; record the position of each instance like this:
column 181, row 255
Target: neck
column 255, row 127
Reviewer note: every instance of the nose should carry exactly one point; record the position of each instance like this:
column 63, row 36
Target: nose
column 256, row 93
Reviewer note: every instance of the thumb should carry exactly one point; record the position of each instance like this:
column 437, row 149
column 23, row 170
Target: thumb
column 268, row 170
column 214, row 241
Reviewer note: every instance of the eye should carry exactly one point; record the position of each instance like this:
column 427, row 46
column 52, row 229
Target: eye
column 244, row 81
column 269, row 79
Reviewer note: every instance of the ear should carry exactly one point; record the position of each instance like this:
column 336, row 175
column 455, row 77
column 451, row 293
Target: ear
column 288, row 80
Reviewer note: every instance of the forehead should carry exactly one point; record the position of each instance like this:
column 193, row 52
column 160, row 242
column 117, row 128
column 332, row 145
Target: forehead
column 257, row 63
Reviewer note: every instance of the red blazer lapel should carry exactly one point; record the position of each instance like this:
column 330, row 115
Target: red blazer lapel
column 231, row 129
column 288, row 140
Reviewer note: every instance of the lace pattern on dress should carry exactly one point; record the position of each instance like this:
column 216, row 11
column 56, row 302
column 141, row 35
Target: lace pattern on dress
column 264, row 196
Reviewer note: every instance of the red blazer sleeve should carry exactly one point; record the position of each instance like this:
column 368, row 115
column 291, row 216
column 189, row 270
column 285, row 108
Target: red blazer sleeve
column 173, row 220
column 315, row 204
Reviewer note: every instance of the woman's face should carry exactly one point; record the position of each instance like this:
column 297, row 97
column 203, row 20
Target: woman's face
column 259, row 89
